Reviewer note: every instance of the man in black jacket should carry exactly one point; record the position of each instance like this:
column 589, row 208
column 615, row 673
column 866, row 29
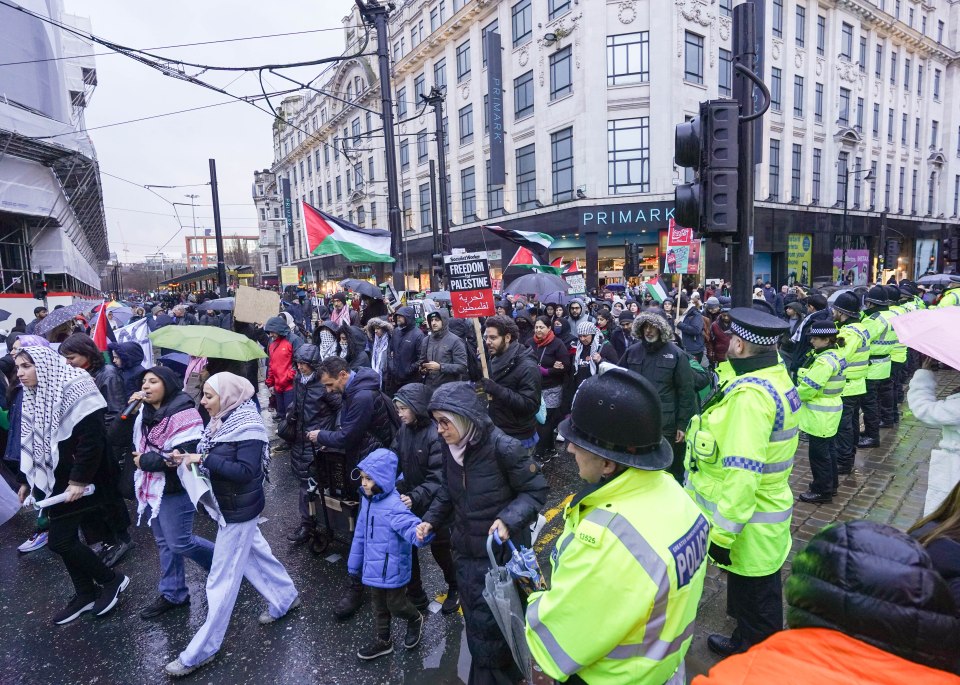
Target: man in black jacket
column 420, row 451
column 622, row 337
column 666, row 366
column 514, row 383
column 405, row 344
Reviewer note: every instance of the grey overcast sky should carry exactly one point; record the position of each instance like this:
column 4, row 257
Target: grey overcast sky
column 174, row 150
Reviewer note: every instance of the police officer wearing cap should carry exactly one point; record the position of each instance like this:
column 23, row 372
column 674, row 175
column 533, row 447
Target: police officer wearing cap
column 879, row 394
column 898, row 357
column 628, row 569
column 740, row 452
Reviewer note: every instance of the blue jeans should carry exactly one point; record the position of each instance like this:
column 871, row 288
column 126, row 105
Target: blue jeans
column 284, row 401
column 173, row 531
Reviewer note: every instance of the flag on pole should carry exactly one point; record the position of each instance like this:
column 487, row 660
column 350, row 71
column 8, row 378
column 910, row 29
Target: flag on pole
column 558, row 262
column 572, row 267
column 100, row 332
column 533, row 241
column 655, row 289
column 524, row 258
column 330, row 235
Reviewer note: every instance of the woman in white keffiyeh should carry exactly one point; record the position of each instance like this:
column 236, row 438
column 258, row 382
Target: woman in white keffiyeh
column 62, row 451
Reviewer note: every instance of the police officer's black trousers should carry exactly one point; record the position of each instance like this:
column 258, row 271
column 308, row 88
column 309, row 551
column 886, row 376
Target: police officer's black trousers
column 869, row 405
column 886, row 396
column 845, row 442
column 823, row 465
column 756, row 602
column 899, row 376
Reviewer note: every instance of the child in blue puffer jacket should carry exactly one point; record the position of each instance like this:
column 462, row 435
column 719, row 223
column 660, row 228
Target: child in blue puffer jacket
column 382, row 550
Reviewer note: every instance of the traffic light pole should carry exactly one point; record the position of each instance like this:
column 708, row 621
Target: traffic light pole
column 218, row 231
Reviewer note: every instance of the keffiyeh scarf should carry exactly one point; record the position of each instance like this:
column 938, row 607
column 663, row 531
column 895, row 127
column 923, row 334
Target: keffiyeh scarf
column 62, row 397
column 381, row 343
column 594, row 349
column 243, row 423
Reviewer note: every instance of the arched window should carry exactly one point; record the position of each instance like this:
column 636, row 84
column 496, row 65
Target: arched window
column 350, row 91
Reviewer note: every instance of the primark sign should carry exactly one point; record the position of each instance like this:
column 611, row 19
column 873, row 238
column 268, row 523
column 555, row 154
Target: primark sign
column 643, row 216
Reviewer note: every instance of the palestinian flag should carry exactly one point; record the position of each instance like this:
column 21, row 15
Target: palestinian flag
column 655, row 289
column 331, row 235
column 538, row 242
column 524, row 258
column 558, row 262
column 572, row 267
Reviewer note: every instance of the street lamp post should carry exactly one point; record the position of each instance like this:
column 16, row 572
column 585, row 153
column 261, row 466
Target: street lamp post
column 193, row 213
column 846, row 194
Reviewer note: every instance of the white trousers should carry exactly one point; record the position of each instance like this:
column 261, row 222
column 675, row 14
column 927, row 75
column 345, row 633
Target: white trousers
column 240, row 552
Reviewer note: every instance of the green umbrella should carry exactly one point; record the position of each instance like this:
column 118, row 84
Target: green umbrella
column 207, row 341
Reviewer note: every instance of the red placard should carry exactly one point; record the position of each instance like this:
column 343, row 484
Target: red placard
column 471, row 288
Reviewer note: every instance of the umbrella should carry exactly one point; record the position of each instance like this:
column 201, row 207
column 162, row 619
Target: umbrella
column 500, row 593
column 941, row 280
column 362, row 288
column 834, row 295
column 556, row 297
column 207, row 341
column 439, row 296
column 524, row 568
column 4, row 314
column 615, row 287
column 223, row 304
column 928, row 332
column 537, row 283
column 177, row 361
column 61, row 316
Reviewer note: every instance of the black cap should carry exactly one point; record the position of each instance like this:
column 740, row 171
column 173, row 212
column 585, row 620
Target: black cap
column 821, row 329
column 763, row 306
column 625, row 315
column 757, row 327
column 847, row 303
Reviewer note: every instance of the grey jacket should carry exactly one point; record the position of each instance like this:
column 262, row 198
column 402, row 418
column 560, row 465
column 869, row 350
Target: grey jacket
column 447, row 350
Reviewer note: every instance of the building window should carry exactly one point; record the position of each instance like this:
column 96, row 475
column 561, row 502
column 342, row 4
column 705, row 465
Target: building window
column 354, row 135
column 916, row 134
column 798, row 96
column 903, row 130
column 906, row 74
column 440, row 73
column 370, row 174
column 886, row 188
column 557, row 7
column 936, row 84
column 361, row 216
column 434, row 19
column 893, row 67
column 725, row 86
column 329, row 197
column 468, row 193
column 522, row 19
column 406, row 203
column 801, row 25
column 416, row 33
column 561, row 154
column 878, row 61
column 693, row 63
column 857, row 185
column 903, row 183
column 873, row 184
column 425, row 214
column 263, row 214
column 818, row 103
column 876, row 120
column 913, row 192
column 778, row 18
column 896, row 9
column 339, row 184
column 919, row 80
column 523, row 95
column 561, row 73
column 821, row 34
column 846, row 40
column 940, row 36
column 776, row 89
column 401, row 103
column 863, row 54
column 404, row 154
column 890, row 125
column 844, row 118
column 358, row 175
column 465, row 117
column 463, row 61
column 931, row 192
column 326, row 154
column 726, row 8
column 419, row 87
column 526, row 178
column 860, row 115
column 795, row 173
column 486, row 114
column 494, row 196
column 817, row 158
column 373, row 214
column 934, row 133
column 774, row 169
column 628, row 58
column 492, row 27
column 842, row 177
column 628, row 156
column 422, row 151
column 398, row 50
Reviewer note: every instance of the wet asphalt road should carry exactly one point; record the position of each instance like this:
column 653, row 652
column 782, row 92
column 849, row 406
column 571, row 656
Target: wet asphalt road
column 310, row 646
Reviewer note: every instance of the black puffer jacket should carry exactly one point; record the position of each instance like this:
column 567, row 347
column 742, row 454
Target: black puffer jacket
column 357, row 356
column 876, row 584
column 236, row 476
column 548, row 355
column 497, row 480
column 514, row 385
column 313, row 409
column 405, row 350
column 446, row 349
column 109, row 382
column 667, row 367
column 420, row 449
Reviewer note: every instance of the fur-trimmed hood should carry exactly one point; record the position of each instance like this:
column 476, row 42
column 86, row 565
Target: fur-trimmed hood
column 375, row 323
column 666, row 334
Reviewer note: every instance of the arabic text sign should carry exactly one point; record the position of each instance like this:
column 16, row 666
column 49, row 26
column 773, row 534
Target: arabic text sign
column 471, row 289
column 682, row 255
column 576, row 281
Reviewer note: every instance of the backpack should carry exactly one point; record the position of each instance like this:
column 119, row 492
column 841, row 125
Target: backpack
column 391, row 410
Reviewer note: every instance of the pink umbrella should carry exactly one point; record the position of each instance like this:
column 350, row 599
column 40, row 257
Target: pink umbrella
column 933, row 332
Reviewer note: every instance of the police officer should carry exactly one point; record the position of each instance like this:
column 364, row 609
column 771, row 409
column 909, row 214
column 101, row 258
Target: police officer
column 739, row 456
column 951, row 296
column 898, row 358
column 910, row 298
column 879, row 389
column 854, row 347
column 820, row 384
column 628, row 569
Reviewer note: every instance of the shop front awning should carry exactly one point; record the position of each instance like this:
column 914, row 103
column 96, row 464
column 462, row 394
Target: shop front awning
column 210, row 273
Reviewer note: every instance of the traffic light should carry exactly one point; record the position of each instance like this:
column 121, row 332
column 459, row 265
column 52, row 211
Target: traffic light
column 709, row 144
column 631, row 259
column 39, row 288
column 891, row 253
column 951, row 249
column 437, row 267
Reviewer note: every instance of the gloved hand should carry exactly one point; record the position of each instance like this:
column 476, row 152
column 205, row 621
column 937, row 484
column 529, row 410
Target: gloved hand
column 720, row 555
column 544, row 371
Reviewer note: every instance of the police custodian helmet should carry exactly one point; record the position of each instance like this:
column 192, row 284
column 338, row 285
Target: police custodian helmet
column 617, row 416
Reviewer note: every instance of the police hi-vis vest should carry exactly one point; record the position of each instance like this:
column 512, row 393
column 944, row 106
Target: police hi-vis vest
column 627, row 577
column 820, row 384
column 854, row 341
column 739, row 457
column 881, row 343
column 898, row 353
column 951, row 298
column 914, row 304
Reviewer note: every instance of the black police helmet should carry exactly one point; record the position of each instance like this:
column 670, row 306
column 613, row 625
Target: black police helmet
column 909, row 288
column 617, row 416
column 893, row 293
column 876, row 295
column 847, row 303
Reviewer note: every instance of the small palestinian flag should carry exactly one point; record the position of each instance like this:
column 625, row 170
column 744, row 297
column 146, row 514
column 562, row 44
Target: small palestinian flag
column 524, row 258
column 538, row 242
column 557, row 263
column 655, row 289
column 572, row 267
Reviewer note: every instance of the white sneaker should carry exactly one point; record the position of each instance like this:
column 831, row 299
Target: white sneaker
column 176, row 669
column 34, row 542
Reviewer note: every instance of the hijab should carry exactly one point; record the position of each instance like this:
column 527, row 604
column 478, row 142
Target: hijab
column 238, row 419
column 467, row 430
column 233, row 390
column 62, row 397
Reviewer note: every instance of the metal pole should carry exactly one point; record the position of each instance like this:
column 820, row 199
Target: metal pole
column 375, row 14
column 745, row 53
column 221, row 264
column 843, row 238
column 435, row 100
column 434, row 280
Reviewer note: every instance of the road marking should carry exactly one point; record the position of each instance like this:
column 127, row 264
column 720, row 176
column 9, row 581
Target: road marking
column 552, row 532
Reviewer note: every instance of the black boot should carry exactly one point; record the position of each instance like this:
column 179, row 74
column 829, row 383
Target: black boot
column 352, row 600
column 301, row 534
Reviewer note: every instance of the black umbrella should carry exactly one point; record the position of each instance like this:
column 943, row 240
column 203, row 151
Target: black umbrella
column 362, row 288
column 4, row 314
column 556, row 297
column 537, row 284
column 439, row 296
column 223, row 304
column 63, row 315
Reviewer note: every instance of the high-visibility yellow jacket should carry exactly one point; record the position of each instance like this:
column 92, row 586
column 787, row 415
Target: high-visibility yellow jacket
column 914, row 304
column 854, row 341
column 880, row 345
column 739, row 457
column 820, row 384
column 627, row 577
column 951, row 298
column 898, row 353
